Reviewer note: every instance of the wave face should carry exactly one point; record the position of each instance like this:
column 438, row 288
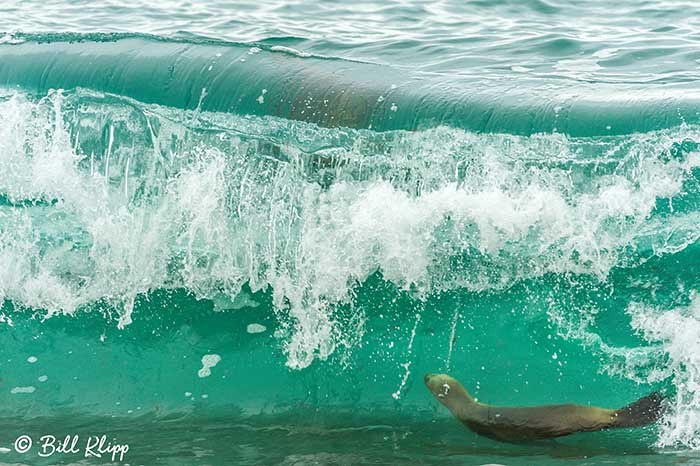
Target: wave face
column 364, row 257
column 274, row 80
column 192, row 218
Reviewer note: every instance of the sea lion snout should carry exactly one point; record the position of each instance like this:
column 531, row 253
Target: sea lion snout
column 431, row 381
column 438, row 384
column 447, row 390
column 432, row 377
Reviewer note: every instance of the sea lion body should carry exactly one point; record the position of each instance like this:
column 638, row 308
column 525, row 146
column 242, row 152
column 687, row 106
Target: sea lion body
column 525, row 424
column 541, row 422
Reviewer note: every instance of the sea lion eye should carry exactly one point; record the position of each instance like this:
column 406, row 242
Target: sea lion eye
column 445, row 390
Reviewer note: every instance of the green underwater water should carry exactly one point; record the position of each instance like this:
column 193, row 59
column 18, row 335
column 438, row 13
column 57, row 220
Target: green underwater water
column 245, row 240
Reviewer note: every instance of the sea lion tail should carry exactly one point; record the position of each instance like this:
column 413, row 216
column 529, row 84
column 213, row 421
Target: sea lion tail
column 646, row 410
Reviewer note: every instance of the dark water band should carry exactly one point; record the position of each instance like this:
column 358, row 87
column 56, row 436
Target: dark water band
column 333, row 92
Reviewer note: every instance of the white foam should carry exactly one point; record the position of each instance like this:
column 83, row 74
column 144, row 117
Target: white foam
column 242, row 300
column 520, row 69
column 18, row 390
column 208, row 362
column 290, row 51
column 677, row 330
column 10, row 39
column 5, row 319
column 606, row 53
column 422, row 210
column 256, row 328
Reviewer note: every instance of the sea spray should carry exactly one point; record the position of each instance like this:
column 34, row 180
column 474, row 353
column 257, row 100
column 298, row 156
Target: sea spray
column 200, row 216
column 212, row 203
column 677, row 330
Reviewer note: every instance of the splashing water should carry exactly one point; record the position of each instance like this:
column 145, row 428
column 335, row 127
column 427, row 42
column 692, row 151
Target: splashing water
column 677, row 331
column 105, row 200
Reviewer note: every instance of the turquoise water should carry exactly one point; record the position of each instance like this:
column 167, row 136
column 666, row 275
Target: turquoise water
column 240, row 234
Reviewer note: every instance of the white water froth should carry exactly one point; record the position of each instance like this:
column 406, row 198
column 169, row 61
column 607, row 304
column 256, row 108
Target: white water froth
column 256, row 328
column 22, row 390
column 671, row 355
column 157, row 205
column 208, row 362
column 678, row 331
column 223, row 302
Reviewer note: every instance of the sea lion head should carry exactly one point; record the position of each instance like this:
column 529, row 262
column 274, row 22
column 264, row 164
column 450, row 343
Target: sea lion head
column 447, row 390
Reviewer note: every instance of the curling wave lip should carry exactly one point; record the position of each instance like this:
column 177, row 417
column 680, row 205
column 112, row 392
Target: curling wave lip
column 331, row 92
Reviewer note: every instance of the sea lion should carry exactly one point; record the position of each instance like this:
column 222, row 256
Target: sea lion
column 526, row 424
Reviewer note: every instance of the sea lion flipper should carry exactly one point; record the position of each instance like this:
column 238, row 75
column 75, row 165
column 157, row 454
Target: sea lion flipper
column 646, row 410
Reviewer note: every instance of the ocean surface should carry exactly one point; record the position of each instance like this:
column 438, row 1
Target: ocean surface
column 241, row 232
